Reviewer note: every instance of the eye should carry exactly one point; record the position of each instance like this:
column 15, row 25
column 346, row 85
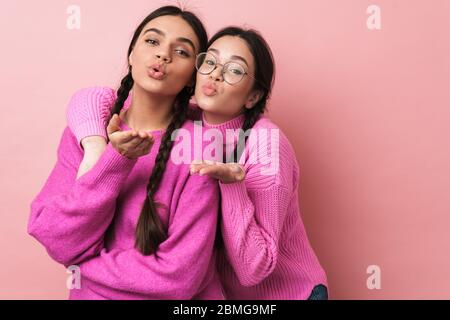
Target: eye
column 182, row 53
column 151, row 42
column 209, row 62
column 236, row 71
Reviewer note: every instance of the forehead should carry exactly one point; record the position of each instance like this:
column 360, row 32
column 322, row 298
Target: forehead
column 232, row 46
column 173, row 27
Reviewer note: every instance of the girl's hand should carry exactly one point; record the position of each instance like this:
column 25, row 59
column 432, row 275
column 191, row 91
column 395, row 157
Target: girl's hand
column 225, row 172
column 131, row 143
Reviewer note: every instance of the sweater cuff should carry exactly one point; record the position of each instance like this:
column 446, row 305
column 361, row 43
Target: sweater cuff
column 110, row 171
column 90, row 128
column 234, row 192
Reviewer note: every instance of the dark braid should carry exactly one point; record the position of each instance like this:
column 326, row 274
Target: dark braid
column 251, row 117
column 122, row 93
column 149, row 230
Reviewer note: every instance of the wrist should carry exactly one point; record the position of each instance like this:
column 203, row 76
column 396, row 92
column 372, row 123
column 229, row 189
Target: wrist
column 94, row 143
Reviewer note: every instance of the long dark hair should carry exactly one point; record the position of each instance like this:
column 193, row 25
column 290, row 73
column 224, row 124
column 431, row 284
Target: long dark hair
column 264, row 75
column 149, row 230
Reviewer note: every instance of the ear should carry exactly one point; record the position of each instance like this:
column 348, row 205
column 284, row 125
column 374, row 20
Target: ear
column 253, row 99
column 130, row 58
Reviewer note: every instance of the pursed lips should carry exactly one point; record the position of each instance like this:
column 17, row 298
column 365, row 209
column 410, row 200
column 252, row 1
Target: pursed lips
column 209, row 89
column 156, row 71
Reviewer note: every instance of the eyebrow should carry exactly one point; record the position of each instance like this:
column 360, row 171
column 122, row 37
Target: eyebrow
column 234, row 57
column 179, row 39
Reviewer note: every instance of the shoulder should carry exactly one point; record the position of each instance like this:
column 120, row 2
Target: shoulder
column 96, row 93
column 270, row 158
column 264, row 124
column 266, row 135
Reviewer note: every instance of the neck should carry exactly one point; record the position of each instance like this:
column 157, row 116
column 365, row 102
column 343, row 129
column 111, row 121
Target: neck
column 223, row 127
column 148, row 112
column 215, row 119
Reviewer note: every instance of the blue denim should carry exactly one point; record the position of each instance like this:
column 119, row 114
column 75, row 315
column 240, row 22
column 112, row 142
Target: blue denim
column 319, row 292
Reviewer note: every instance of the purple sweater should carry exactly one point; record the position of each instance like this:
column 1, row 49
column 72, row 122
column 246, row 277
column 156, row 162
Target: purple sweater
column 266, row 252
column 90, row 222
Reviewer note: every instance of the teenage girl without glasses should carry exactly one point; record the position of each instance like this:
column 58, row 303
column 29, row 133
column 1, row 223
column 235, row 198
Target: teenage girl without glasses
column 137, row 225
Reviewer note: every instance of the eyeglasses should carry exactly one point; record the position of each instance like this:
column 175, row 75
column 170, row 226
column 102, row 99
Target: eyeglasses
column 232, row 72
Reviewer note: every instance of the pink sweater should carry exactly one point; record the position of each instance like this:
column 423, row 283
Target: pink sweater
column 90, row 222
column 266, row 252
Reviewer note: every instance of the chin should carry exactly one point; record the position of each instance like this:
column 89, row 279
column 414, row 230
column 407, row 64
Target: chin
column 206, row 105
column 154, row 87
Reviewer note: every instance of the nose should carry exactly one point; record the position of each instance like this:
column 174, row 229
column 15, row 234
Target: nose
column 164, row 57
column 217, row 73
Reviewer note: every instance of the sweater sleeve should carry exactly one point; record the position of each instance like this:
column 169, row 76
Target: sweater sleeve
column 68, row 216
column 253, row 214
column 89, row 110
column 182, row 259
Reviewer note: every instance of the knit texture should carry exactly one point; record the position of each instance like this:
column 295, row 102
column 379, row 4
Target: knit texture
column 91, row 221
column 266, row 253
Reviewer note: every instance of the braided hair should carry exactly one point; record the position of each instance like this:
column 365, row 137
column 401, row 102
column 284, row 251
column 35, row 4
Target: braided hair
column 150, row 233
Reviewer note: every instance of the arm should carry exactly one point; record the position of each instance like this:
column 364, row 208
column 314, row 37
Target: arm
column 251, row 231
column 93, row 147
column 183, row 258
column 252, row 220
column 87, row 115
column 68, row 216
column 88, row 112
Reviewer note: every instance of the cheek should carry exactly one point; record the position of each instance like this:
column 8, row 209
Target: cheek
column 200, row 80
column 234, row 98
column 185, row 69
column 181, row 75
column 237, row 95
column 139, row 55
column 138, row 68
column 138, row 73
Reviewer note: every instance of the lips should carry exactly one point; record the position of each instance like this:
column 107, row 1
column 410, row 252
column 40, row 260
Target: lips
column 156, row 72
column 209, row 90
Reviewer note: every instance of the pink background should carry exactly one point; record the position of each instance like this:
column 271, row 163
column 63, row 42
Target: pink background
column 366, row 110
